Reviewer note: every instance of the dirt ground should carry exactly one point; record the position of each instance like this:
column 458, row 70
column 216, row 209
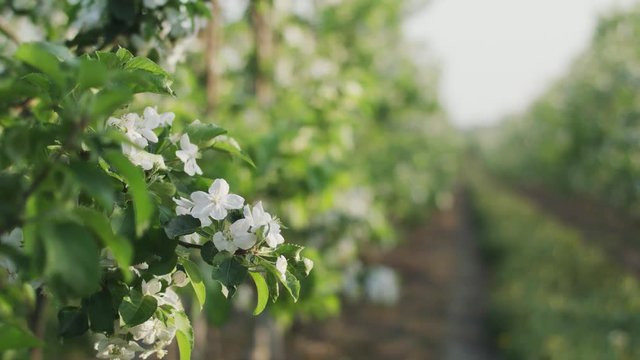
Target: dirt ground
column 441, row 312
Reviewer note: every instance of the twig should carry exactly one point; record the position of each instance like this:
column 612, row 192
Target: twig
column 8, row 32
column 189, row 245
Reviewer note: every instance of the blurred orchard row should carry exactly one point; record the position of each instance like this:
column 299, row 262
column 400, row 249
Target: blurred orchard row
column 582, row 135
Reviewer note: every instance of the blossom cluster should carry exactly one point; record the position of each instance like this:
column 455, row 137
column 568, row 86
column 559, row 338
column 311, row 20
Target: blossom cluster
column 152, row 336
column 256, row 227
column 247, row 232
column 140, row 131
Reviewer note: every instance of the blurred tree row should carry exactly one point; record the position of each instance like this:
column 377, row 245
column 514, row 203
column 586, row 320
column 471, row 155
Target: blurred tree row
column 583, row 133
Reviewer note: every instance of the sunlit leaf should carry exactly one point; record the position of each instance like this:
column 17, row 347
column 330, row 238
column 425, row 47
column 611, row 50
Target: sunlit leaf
column 262, row 291
column 195, row 277
column 137, row 187
column 136, row 308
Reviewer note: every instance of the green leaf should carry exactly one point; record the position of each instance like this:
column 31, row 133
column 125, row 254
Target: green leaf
column 120, row 247
column 108, row 100
column 143, row 81
column 72, row 322
column 136, row 308
column 143, row 63
column 218, row 307
column 38, row 80
column 164, row 265
column 229, row 272
column 12, row 337
column 92, row 74
column 99, row 308
column 290, row 282
column 262, row 290
column 40, row 56
column 289, row 251
column 233, row 151
column 184, row 335
column 108, row 59
column 181, row 225
column 157, row 250
column 164, row 190
column 201, row 134
column 274, row 288
column 193, row 271
column 72, row 257
column 299, row 268
column 124, row 55
column 118, row 290
column 208, row 252
column 94, row 181
column 137, row 187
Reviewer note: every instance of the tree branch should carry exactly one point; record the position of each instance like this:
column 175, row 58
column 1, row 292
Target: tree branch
column 8, row 32
column 189, row 245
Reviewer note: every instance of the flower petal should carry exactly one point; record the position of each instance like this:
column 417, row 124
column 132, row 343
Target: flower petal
column 233, row 201
column 244, row 241
column 217, row 211
column 183, row 155
column 205, row 221
column 184, row 141
column 219, row 187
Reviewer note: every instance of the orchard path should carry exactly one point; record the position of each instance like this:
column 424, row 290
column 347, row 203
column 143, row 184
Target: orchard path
column 441, row 313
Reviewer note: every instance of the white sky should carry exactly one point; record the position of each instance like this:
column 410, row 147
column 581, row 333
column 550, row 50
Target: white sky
column 497, row 56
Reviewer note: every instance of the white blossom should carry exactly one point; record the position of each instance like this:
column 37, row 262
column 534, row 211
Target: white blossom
column 171, row 298
column 179, row 278
column 281, row 266
column 152, row 331
column 136, row 268
column 188, row 154
column 223, row 242
column 152, row 287
column 144, row 159
column 194, row 238
column 137, row 129
column 140, row 131
column 272, row 234
column 184, row 206
column 158, row 351
column 257, row 218
column 381, row 286
column 216, row 202
column 242, row 235
column 152, row 4
column 308, row 265
column 115, row 348
column 152, row 119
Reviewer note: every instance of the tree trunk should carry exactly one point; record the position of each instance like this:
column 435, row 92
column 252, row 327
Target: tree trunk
column 268, row 339
column 263, row 38
column 38, row 322
column 212, row 48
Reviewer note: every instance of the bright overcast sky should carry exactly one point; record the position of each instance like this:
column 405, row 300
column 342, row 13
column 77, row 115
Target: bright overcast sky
column 496, row 56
